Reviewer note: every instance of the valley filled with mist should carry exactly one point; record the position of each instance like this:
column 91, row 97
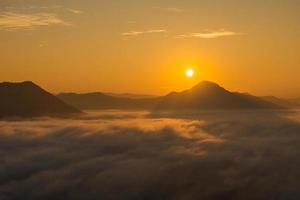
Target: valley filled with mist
column 152, row 155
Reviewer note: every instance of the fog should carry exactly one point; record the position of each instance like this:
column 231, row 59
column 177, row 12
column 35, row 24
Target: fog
column 141, row 155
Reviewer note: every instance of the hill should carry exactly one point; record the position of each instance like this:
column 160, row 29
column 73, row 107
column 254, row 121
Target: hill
column 206, row 95
column 288, row 103
column 131, row 96
column 26, row 99
column 209, row 95
column 100, row 100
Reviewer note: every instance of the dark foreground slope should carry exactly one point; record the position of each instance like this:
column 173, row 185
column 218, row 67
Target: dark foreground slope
column 206, row 95
column 26, row 99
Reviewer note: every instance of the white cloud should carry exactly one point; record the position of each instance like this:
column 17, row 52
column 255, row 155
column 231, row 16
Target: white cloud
column 75, row 11
column 132, row 33
column 156, row 31
column 137, row 33
column 16, row 21
column 202, row 35
column 209, row 34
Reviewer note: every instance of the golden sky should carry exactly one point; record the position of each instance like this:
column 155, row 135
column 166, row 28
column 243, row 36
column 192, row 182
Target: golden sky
column 146, row 46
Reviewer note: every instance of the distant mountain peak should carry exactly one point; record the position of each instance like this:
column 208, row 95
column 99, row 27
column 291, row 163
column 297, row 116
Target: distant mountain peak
column 203, row 96
column 206, row 84
column 172, row 93
column 210, row 95
column 207, row 87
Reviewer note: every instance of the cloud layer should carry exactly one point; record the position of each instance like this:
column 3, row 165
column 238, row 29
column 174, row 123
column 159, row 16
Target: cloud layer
column 130, row 155
column 17, row 21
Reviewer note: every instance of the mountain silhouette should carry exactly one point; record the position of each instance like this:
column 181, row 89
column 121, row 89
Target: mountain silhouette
column 100, row 100
column 131, row 96
column 209, row 95
column 26, row 99
column 205, row 95
column 288, row 103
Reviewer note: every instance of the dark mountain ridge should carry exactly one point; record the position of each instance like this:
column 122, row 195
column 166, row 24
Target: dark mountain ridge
column 100, row 100
column 288, row 103
column 205, row 95
column 131, row 95
column 26, row 99
column 209, row 95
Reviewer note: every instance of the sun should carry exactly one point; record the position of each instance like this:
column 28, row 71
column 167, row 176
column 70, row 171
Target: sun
column 189, row 73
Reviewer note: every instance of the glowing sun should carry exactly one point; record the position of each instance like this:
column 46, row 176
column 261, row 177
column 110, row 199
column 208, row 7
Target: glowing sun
column 189, row 73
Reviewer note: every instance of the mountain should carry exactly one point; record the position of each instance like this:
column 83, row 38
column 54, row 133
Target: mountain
column 288, row 103
column 131, row 96
column 206, row 95
column 209, row 95
column 26, row 99
column 100, row 100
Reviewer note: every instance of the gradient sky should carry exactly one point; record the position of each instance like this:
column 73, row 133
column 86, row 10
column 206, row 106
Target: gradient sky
column 146, row 46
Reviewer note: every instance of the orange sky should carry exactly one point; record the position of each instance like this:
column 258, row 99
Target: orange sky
column 146, row 46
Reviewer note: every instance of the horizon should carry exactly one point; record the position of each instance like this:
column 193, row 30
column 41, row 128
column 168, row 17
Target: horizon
column 146, row 47
column 150, row 95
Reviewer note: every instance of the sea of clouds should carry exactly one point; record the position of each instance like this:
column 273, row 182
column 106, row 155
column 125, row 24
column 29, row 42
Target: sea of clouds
column 141, row 155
